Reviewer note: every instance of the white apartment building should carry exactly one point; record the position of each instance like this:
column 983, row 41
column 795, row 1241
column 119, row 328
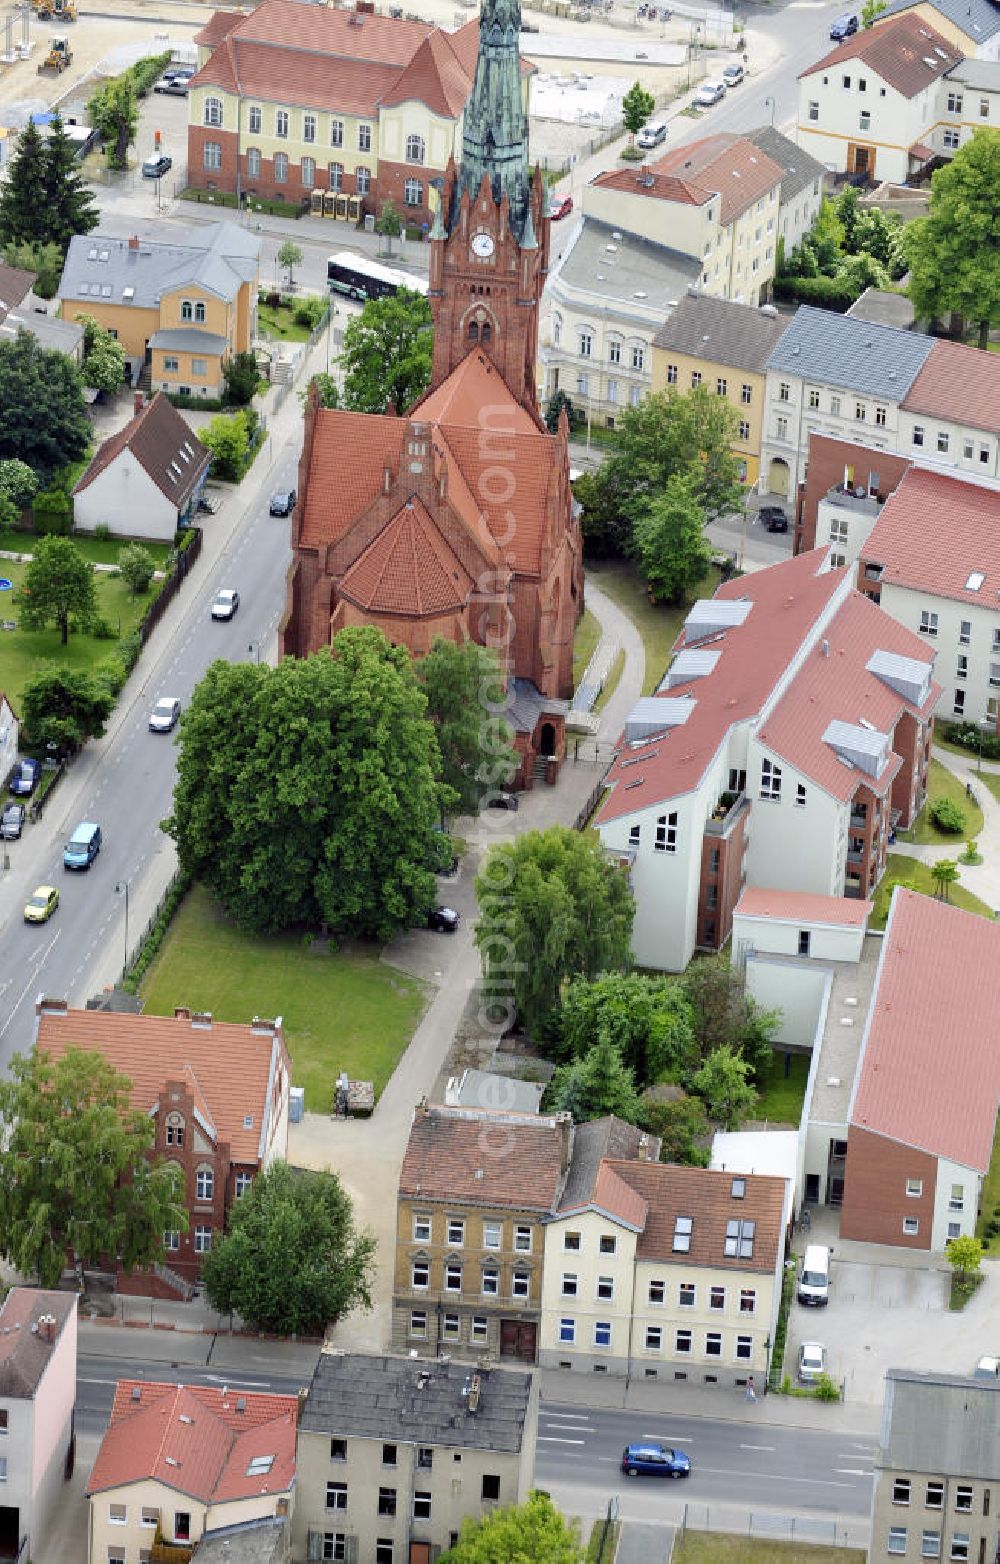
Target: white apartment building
column 871, row 105
column 973, row 26
column 802, row 183
column 790, row 733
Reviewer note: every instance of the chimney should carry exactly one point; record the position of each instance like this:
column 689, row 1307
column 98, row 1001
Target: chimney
column 644, row 1148
column 48, row 1007
column 138, row 402
column 133, row 241
column 565, row 1123
column 181, row 1013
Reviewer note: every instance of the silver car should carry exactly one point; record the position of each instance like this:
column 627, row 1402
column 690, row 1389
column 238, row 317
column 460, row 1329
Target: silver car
column 812, row 1361
column 708, row 93
column 164, row 715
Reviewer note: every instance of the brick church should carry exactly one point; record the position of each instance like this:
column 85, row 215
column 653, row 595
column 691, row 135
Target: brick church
column 457, row 520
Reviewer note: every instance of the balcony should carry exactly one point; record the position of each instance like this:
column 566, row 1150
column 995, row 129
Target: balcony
column 725, row 814
column 855, row 498
column 859, row 817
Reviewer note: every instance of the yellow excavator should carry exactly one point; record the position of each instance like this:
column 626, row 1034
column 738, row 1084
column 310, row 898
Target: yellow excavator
column 60, row 55
column 61, row 10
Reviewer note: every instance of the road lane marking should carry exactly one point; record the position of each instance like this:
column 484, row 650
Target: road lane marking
column 758, row 1447
column 563, row 1417
column 46, row 953
column 778, row 1477
column 854, row 1471
column 550, row 1439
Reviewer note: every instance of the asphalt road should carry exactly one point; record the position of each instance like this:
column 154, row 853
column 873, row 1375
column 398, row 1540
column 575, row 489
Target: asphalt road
column 766, row 1467
column 131, row 776
column 96, row 1377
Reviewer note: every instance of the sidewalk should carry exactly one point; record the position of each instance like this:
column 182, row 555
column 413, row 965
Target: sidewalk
column 983, row 880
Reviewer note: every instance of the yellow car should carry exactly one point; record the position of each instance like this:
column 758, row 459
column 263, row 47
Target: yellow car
column 40, row 907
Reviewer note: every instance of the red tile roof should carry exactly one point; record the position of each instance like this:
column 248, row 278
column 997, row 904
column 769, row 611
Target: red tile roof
column 657, row 186
column 219, row 25
column 959, row 384
column 408, row 569
column 195, row 1440
column 906, row 53
column 473, row 385
column 836, row 685
column 934, row 1008
column 787, row 599
column 25, row 1352
column 160, row 439
column 487, row 1159
column 619, row 1199
column 706, row 1196
column 435, row 76
column 934, row 533
column 803, row 907
column 349, row 452
column 726, row 164
column 230, row 1068
column 320, row 81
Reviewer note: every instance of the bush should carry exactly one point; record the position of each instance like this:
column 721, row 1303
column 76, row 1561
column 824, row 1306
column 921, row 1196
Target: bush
column 826, row 293
column 154, row 939
column 826, row 1389
column 967, row 736
column 947, row 816
column 130, row 650
column 103, row 630
column 53, row 512
column 102, row 532
column 204, row 404
column 136, row 565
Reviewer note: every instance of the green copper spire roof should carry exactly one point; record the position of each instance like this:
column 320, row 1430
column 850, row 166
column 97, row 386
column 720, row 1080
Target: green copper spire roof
column 495, row 136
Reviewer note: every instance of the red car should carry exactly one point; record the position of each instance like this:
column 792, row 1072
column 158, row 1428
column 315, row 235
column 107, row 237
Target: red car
column 560, row 206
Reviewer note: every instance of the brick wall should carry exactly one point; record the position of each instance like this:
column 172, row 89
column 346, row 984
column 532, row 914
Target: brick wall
column 827, row 460
column 875, row 1199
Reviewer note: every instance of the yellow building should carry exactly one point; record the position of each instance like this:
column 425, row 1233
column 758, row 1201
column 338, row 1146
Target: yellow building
column 724, row 346
column 179, row 309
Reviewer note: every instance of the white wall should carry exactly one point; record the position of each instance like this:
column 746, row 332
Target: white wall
column 125, row 498
column 958, row 445
column 797, row 991
column 683, row 228
column 816, row 407
column 794, row 847
column 798, row 215
column 949, row 1173
column 895, row 122
column 905, row 605
column 9, row 729
column 780, row 937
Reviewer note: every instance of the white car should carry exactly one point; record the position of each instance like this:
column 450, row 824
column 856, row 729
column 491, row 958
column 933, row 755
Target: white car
column 708, row 93
column 812, row 1361
column 226, row 604
column 164, row 715
column 651, row 136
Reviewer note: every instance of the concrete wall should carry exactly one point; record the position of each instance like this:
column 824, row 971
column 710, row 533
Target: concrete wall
column 956, row 1202
column 794, row 847
column 969, row 678
column 795, row 990
column 895, row 122
column 780, row 937
column 964, row 446
column 125, row 498
column 686, row 229
column 9, row 733
column 52, row 1428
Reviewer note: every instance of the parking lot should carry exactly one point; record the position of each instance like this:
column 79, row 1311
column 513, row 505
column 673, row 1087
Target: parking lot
column 883, row 1315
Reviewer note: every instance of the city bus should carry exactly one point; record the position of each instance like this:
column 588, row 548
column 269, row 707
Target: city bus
column 361, row 278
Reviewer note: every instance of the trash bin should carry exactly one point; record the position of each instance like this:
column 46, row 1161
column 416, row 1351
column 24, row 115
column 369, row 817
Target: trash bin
column 296, row 1104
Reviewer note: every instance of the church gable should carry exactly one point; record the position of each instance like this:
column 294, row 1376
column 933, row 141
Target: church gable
column 409, row 569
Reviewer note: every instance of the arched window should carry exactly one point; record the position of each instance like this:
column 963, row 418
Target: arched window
column 204, row 1184
column 175, row 1121
column 281, row 168
column 473, row 331
column 415, row 149
column 487, row 331
column 413, row 193
column 307, row 172
column 335, row 176
column 213, row 111
column 199, row 313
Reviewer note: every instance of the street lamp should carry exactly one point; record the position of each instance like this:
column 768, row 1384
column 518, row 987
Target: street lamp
column 693, row 36
column 771, row 102
column 122, row 889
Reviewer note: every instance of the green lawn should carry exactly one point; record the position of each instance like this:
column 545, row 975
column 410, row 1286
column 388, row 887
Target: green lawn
column 944, row 783
column 278, row 321
column 898, row 867
column 782, row 1097
column 99, row 551
column 991, row 1195
column 342, row 1010
column 22, row 651
column 611, row 682
column 585, row 639
column 658, row 625
column 712, row 1547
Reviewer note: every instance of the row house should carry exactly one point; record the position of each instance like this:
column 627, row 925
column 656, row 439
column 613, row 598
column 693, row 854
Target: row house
column 788, row 737
column 289, row 101
column 803, row 180
column 704, row 216
column 394, row 1455
column 872, row 105
column 660, row 1271
column 180, row 1461
column 970, row 26
column 38, row 1344
column 218, row 1096
column 724, row 346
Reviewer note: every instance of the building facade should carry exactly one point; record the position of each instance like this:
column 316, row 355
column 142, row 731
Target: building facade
column 970, row 26
column 724, row 346
column 790, row 733
column 37, row 1398
column 802, row 184
column 394, row 1455
column 147, row 479
column 10, row 730
column 218, row 1094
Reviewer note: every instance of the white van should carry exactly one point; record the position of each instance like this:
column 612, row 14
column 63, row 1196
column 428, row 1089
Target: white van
column 814, row 1282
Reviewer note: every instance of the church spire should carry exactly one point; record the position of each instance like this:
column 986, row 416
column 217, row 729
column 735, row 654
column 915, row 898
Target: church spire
column 495, row 135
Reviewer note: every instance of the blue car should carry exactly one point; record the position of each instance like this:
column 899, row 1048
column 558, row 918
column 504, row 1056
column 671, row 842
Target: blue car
column 650, row 1460
column 24, row 778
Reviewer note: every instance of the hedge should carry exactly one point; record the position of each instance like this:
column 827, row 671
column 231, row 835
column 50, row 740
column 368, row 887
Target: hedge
column 827, row 293
column 155, row 934
column 967, row 736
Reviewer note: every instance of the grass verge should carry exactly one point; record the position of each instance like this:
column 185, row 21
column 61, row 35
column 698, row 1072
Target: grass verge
column 585, row 639
column 611, row 682
column 942, row 783
column 278, row 320
column 607, row 1534
column 990, row 1201
column 962, row 1289
column 342, row 1009
column 98, row 551
column 781, row 1095
column 712, row 1547
column 658, row 624
column 918, row 874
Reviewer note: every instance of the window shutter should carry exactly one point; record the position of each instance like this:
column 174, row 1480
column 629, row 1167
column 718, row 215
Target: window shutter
column 314, row 1550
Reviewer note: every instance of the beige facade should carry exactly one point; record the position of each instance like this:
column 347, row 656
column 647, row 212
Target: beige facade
column 126, row 1521
column 588, row 1293
column 743, row 389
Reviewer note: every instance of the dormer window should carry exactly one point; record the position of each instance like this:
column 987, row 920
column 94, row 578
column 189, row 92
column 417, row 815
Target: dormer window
column 175, row 1129
column 683, row 1226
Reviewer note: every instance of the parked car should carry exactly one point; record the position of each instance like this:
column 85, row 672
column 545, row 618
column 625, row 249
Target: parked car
column 156, row 167
column 560, row 206
column 653, row 1460
column 41, row 905
column 164, row 715
column 844, row 27
column 24, row 778
column 733, row 74
column 177, row 72
column 773, row 518
column 708, row 93
column 651, row 136
column 987, row 1368
column 282, row 502
column 12, row 822
column 174, row 86
column 502, row 801
column 444, row 919
column 226, row 603
column 812, row 1361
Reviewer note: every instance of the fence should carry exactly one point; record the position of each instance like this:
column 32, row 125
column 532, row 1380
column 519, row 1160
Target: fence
column 134, row 951
column 833, row 1532
column 183, row 562
column 37, row 808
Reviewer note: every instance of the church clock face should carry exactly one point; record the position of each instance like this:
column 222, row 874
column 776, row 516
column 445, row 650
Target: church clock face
column 482, row 246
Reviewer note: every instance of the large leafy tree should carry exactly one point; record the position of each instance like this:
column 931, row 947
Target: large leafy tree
column 604, row 528
column 103, row 357
column 18, row 483
column 725, row 1015
column 22, row 211
column 45, row 260
column 683, row 1128
column 292, row 1259
column 309, row 793
column 724, row 1086
column 598, row 1084
column 529, row 1533
column 114, row 113
column 670, row 540
column 648, row 1019
column 551, row 905
column 464, row 693
column 44, row 420
column 954, row 252
column 63, row 707
column 58, row 587
column 670, row 433
column 637, row 106
column 75, row 1175
column 387, row 354
column 67, row 200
